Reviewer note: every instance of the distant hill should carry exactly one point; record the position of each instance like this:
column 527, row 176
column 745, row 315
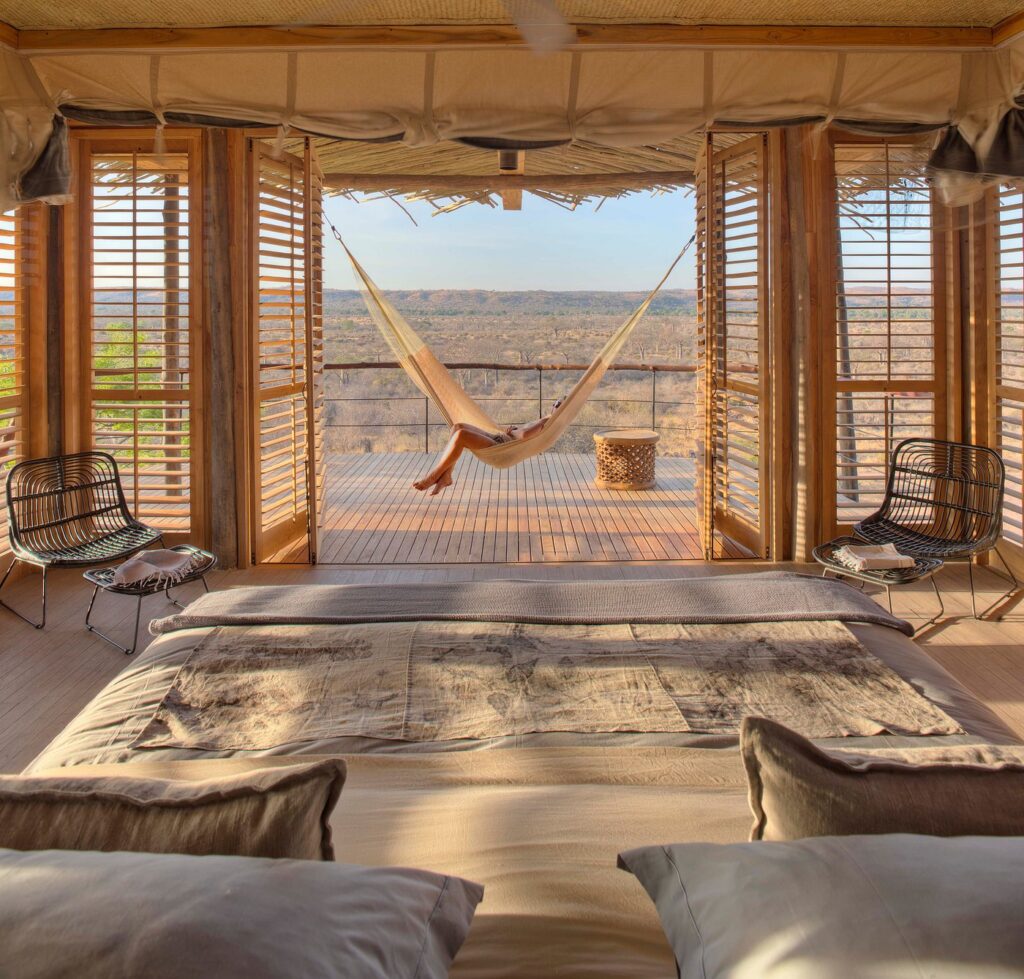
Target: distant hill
column 463, row 302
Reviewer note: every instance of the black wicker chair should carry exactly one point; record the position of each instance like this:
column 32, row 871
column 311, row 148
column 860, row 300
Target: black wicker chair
column 70, row 512
column 942, row 500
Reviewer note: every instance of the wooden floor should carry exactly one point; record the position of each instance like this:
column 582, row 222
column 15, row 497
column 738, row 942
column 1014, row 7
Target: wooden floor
column 47, row 677
column 545, row 509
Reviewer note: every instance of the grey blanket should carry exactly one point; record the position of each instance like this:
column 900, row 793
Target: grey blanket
column 774, row 596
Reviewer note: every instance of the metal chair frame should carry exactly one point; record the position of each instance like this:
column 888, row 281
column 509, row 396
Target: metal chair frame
column 942, row 500
column 69, row 511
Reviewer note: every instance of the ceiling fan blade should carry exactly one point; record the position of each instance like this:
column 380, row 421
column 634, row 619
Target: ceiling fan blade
column 541, row 24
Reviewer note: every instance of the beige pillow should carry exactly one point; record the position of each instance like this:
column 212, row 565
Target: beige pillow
column 167, row 916
column 797, row 790
column 270, row 812
column 840, row 907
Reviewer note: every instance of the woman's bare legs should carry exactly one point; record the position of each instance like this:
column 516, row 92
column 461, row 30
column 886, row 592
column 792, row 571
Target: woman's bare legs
column 463, row 437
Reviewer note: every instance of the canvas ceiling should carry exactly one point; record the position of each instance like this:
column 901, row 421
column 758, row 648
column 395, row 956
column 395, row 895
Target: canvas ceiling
column 598, row 96
column 41, row 14
column 607, row 97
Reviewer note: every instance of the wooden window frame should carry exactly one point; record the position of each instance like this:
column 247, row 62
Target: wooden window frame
column 986, row 280
column 945, row 293
column 86, row 141
column 22, row 245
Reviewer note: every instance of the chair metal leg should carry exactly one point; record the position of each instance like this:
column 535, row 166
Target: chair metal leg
column 135, row 635
column 174, row 601
column 942, row 606
column 24, row 618
column 888, row 595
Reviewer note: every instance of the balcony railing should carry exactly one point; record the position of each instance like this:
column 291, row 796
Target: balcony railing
column 672, row 416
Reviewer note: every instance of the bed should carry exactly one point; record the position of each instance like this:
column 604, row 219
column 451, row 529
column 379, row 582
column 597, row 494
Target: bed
column 537, row 802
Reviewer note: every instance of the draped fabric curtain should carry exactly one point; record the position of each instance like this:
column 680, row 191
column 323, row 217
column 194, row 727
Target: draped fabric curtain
column 511, row 97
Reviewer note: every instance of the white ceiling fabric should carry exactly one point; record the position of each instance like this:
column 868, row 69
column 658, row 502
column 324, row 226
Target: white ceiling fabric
column 613, row 96
column 604, row 96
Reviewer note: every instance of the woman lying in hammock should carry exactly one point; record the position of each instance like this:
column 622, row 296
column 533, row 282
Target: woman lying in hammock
column 470, row 437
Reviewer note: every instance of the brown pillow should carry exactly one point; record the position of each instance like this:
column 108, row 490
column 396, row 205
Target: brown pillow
column 270, row 812
column 797, row 790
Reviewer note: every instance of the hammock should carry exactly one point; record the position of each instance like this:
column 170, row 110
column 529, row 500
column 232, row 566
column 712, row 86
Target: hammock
column 451, row 400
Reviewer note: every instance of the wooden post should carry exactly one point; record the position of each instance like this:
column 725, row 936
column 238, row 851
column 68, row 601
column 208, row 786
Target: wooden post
column 809, row 257
column 783, row 388
column 223, row 415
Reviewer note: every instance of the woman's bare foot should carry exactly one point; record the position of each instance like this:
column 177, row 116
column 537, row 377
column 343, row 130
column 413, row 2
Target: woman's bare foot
column 422, row 484
column 443, row 481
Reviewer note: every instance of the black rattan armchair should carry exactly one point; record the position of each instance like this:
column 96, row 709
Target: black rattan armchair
column 942, row 500
column 70, row 511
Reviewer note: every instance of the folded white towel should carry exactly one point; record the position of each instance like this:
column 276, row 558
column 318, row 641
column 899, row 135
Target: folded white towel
column 161, row 567
column 872, row 557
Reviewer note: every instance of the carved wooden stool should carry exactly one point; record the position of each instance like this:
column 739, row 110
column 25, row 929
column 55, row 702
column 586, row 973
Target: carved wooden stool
column 625, row 459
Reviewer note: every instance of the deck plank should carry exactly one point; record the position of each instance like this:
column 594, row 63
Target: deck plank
column 545, row 509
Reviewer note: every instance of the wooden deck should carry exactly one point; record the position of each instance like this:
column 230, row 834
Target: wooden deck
column 546, row 509
column 48, row 677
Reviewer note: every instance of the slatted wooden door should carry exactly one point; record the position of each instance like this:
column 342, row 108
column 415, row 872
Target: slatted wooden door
column 141, row 333
column 1006, row 411
column 286, row 312
column 13, row 353
column 890, row 314
column 705, row 316
column 316, row 404
column 733, row 222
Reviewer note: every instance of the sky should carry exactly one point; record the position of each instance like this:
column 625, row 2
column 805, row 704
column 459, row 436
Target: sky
column 626, row 245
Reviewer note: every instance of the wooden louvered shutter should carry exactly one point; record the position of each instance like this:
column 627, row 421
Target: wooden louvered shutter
column 1007, row 355
column 142, row 331
column 316, row 407
column 889, row 319
column 735, row 307
column 704, row 462
column 13, row 359
column 280, row 332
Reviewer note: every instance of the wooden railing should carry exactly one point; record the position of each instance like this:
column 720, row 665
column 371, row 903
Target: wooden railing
column 653, row 401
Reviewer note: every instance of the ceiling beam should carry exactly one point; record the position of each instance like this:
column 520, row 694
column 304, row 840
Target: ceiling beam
column 588, row 36
column 8, row 35
column 443, row 183
column 1008, row 29
column 512, row 163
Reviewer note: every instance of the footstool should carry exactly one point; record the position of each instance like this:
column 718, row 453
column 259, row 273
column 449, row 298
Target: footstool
column 924, row 567
column 103, row 579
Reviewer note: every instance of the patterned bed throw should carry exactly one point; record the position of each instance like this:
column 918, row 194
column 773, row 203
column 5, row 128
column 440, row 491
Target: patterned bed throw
column 259, row 687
